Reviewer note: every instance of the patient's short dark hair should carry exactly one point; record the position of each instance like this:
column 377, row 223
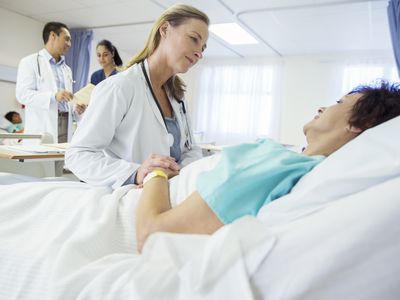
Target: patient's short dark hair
column 379, row 102
column 9, row 115
column 52, row 26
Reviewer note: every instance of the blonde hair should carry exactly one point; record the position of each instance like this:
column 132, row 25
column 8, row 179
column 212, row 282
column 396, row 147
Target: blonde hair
column 175, row 15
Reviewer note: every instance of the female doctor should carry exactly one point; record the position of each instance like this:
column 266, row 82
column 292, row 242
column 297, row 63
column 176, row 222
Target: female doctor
column 137, row 119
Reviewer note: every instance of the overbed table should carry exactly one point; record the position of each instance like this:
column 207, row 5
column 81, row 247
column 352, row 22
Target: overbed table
column 32, row 164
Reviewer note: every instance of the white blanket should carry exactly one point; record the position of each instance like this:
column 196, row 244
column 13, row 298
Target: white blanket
column 66, row 240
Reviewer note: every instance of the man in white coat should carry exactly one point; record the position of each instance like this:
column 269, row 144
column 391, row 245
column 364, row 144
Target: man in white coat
column 44, row 86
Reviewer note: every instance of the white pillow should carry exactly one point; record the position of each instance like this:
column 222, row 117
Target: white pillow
column 370, row 159
column 4, row 123
column 345, row 251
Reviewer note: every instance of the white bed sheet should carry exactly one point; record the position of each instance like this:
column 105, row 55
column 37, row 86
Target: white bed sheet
column 66, row 240
column 43, row 223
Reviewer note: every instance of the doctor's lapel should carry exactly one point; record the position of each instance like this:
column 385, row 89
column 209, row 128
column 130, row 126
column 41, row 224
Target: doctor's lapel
column 47, row 73
column 67, row 78
column 154, row 108
column 150, row 96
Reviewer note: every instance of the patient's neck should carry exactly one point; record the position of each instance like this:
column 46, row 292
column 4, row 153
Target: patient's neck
column 325, row 145
column 313, row 149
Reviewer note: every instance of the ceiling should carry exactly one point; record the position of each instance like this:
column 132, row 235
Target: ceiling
column 282, row 27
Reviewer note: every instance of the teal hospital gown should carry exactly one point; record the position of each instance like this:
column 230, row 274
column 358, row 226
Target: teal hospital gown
column 249, row 176
column 15, row 127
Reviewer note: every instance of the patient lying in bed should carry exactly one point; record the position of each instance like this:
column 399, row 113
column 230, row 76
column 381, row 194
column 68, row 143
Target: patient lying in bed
column 263, row 172
column 67, row 240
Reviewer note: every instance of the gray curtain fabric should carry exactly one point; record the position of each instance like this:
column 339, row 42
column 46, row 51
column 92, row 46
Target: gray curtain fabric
column 78, row 57
column 394, row 25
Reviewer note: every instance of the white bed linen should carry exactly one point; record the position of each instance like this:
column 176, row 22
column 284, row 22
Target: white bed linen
column 347, row 250
column 43, row 222
column 66, row 240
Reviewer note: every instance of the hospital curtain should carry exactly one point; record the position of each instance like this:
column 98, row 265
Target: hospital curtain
column 236, row 103
column 394, row 24
column 78, row 57
column 367, row 72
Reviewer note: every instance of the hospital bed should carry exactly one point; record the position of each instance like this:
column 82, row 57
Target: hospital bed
column 335, row 236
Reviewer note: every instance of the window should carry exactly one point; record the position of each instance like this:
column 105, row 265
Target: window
column 355, row 75
column 236, row 103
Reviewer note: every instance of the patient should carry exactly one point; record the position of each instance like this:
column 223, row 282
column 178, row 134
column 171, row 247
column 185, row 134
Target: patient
column 15, row 119
column 249, row 176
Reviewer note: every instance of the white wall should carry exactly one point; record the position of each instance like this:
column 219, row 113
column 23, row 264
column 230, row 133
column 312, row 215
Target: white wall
column 20, row 36
column 7, row 99
column 307, row 84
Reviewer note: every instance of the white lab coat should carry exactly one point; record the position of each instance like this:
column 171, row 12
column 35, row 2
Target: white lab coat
column 121, row 127
column 36, row 92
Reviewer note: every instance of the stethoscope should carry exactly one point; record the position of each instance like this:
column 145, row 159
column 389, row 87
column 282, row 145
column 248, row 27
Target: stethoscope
column 40, row 73
column 189, row 141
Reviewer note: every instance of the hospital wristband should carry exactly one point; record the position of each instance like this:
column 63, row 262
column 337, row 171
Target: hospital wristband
column 152, row 174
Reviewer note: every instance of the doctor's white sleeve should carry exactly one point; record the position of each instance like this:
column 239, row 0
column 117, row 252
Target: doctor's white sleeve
column 86, row 157
column 27, row 90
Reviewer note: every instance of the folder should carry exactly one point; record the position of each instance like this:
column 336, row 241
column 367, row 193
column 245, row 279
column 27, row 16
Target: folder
column 83, row 95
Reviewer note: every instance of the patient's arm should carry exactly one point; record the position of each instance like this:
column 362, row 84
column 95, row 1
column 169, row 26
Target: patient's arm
column 154, row 213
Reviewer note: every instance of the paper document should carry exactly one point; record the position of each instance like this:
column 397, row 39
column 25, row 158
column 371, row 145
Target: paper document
column 62, row 146
column 83, row 95
column 34, row 149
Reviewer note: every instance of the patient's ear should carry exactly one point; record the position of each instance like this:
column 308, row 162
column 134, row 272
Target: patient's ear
column 353, row 129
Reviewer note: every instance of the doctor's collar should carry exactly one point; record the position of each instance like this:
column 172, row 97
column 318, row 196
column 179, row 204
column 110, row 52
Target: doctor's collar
column 51, row 59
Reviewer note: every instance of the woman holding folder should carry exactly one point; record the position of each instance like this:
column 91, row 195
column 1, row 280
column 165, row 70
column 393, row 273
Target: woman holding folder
column 137, row 120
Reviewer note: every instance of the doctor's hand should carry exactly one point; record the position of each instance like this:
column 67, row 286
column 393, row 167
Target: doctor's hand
column 64, row 95
column 155, row 161
column 80, row 108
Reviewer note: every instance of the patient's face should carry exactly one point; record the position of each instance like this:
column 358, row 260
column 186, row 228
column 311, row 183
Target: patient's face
column 332, row 118
column 16, row 119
